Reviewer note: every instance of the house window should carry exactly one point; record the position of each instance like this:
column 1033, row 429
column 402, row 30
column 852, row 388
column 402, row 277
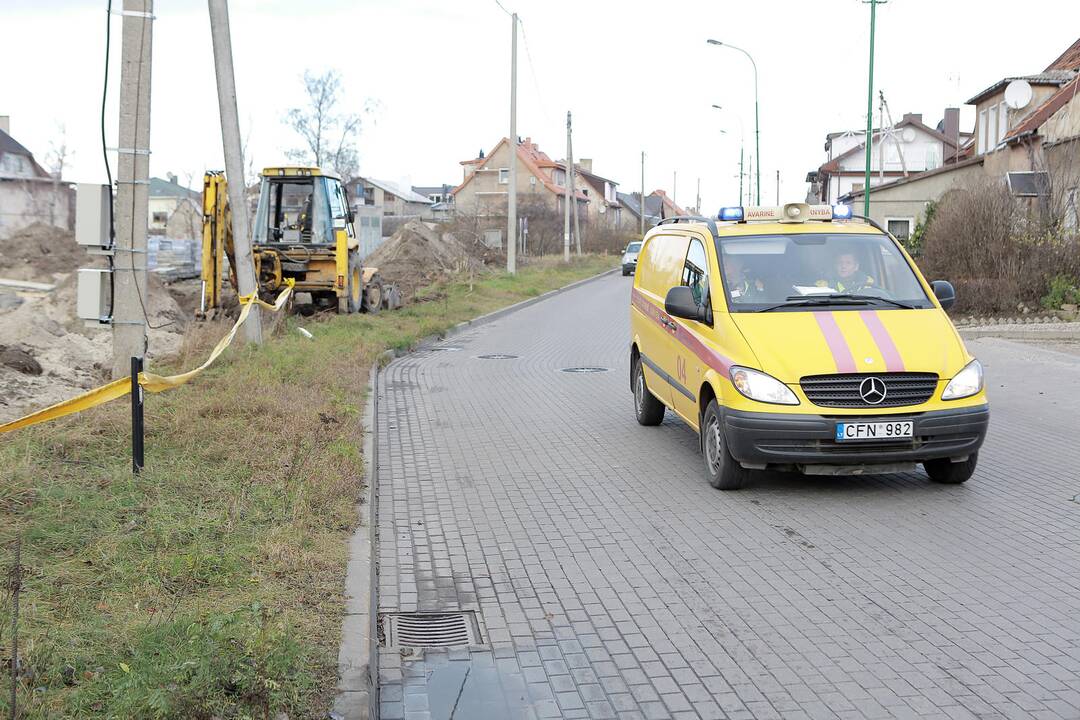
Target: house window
column 532, row 179
column 933, row 158
column 991, row 128
column 1003, row 121
column 1072, row 209
column 1028, row 184
column 856, row 187
column 504, row 176
column 982, row 133
column 900, row 228
column 161, row 217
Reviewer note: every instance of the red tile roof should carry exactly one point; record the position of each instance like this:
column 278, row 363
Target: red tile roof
column 533, row 158
column 1069, row 60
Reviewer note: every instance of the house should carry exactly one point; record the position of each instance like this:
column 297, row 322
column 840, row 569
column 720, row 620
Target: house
column 540, row 181
column 604, row 209
column 175, row 211
column 906, row 148
column 434, row 193
column 1030, row 141
column 657, row 207
column 1030, row 135
column 393, row 200
column 29, row 194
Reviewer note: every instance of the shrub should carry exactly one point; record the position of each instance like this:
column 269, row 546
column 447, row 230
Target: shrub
column 1063, row 289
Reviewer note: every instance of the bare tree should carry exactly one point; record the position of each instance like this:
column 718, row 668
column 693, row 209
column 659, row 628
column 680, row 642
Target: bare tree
column 329, row 135
column 57, row 157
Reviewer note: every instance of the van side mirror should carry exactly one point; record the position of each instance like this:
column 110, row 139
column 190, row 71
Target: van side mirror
column 944, row 292
column 680, row 303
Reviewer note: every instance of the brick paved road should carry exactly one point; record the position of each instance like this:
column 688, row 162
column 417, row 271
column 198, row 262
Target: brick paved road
column 612, row 581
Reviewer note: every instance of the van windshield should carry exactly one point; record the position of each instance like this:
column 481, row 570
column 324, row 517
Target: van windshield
column 817, row 271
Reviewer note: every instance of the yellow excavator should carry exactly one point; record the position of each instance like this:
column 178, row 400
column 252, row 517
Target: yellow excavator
column 303, row 230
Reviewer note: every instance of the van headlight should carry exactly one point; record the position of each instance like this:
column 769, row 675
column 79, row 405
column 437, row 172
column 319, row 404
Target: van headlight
column 761, row 387
column 965, row 383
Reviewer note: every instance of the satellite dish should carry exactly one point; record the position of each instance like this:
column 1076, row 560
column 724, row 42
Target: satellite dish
column 1018, row 94
column 908, row 135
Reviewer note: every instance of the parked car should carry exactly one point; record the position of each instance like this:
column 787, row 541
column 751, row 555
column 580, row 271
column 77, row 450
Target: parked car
column 629, row 257
column 799, row 338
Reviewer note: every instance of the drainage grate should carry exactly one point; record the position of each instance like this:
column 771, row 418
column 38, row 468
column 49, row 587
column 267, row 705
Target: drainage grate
column 496, row 356
column 584, row 369
column 430, row 629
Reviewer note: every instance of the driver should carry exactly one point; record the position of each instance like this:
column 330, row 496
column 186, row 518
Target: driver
column 739, row 285
column 848, row 278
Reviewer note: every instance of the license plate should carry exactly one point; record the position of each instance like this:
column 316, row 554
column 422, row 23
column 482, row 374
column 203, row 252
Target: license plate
column 899, row 430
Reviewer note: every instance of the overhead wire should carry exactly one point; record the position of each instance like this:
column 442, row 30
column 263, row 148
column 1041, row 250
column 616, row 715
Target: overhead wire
column 105, row 154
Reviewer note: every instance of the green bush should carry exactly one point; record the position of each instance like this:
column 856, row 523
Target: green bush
column 1063, row 289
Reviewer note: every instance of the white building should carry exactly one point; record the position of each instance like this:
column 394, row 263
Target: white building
column 899, row 151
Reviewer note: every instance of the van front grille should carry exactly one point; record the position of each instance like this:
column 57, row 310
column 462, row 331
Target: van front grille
column 843, row 391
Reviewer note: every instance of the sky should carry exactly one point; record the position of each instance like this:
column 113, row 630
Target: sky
column 637, row 76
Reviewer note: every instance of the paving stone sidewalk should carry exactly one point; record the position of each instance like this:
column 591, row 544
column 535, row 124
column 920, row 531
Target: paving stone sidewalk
column 610, row 580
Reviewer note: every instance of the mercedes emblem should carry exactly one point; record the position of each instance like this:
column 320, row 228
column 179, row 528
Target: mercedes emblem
column 872, row 390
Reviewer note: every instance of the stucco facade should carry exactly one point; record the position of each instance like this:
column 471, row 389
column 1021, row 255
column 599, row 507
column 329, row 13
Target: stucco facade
column 485, row 184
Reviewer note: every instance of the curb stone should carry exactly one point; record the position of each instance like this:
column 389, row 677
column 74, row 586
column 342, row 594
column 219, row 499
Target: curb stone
column 358, row 672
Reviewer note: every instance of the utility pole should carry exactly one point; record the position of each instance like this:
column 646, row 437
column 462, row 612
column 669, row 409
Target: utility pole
column 749, row 183
column 881, row 140
column 234, row 162
column 572, row 192
column 741, row 174
column 641, row 205
column 870, row 106
column 697, row 201
column 777, row 187
column 566, row 200
column 132, row 188
column 511, row 204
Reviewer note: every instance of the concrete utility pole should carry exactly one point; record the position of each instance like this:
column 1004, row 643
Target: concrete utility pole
column 132, row 188
column 572, row 194
column 566, row 201
column 511, row 204
column 234, row 162
column 641, row 206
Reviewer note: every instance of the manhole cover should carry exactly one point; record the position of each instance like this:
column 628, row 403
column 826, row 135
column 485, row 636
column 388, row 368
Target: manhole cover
column 496, row 356
column 584, row 369
column 430, row 629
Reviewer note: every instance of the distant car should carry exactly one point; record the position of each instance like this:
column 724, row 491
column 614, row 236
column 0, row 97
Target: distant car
column 629, row 257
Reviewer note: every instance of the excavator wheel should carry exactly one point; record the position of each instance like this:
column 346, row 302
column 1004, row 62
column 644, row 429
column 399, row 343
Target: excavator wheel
column 373, row 295
column 354, row 300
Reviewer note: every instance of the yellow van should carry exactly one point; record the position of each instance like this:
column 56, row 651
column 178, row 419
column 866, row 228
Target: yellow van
column 802, row 338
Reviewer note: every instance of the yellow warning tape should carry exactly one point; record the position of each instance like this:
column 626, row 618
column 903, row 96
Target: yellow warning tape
column 148, row 381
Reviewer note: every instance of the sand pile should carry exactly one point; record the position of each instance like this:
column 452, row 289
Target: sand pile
column 43, row 326
column 420, row 253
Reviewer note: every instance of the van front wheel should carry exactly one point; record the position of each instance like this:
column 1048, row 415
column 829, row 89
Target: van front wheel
column 948, row 472
column 649, row 410
column 722, row 470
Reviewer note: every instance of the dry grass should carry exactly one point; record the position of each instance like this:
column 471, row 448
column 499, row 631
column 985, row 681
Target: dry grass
column 210, row 585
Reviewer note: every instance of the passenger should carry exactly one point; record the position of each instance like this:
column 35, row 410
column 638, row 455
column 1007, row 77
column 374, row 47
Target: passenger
column 849, row 278
column 739, row 285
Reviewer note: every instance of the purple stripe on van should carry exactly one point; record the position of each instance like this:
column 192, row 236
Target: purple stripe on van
column 841, row 353
column 883, row 340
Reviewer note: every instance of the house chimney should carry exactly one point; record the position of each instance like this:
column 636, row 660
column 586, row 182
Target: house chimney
column 950, row 127
column 586, row 164
column 5, row 123
column 913, row 117
column 171, row 177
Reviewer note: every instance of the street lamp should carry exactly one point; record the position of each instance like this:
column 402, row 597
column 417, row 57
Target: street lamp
column 757, row 123
column 741, row 138
column 870, row 107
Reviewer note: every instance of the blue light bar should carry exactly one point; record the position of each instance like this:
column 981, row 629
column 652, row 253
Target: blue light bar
column 841, row 212
column 734, row 214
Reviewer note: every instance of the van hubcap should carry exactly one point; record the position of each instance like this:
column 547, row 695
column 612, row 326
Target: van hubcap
column 639, row 390
column 713, row 444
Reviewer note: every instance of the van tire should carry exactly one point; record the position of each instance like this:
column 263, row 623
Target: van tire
column 723, row 471
column 648, row 409
column 945, row 471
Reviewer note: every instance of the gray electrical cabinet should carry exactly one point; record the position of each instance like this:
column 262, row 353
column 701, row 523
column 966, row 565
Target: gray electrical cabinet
column 92, row 204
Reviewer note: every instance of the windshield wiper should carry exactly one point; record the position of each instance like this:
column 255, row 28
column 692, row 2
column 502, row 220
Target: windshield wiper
column 851, row 296
column 834, row 299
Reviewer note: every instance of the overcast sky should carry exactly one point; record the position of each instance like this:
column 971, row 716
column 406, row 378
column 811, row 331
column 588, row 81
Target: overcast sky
column 637, row 76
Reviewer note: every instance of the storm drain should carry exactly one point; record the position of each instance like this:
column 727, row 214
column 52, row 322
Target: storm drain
column 584, row 369
column 430, row 629
column 496, row 356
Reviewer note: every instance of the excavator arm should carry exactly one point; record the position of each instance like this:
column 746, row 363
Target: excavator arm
column 217, row 241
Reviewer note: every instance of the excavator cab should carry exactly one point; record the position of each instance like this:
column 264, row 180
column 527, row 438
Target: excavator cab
column 303, row 231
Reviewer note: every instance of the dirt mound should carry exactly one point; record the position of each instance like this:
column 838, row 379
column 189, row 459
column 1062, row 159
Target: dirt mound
column 420, row 253
column 39, row 251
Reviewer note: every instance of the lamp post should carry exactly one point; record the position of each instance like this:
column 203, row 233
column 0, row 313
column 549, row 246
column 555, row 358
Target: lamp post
column 757, row 121
column 741, row 138
column 870, row 107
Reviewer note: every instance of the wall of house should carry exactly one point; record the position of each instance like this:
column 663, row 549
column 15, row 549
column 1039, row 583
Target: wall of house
column 24, row 202
column 161, row 209
column 994, row 103
column 485, row 190
column 909, row 200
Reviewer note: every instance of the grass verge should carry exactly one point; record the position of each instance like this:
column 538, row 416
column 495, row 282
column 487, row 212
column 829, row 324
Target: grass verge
column 210, row 585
